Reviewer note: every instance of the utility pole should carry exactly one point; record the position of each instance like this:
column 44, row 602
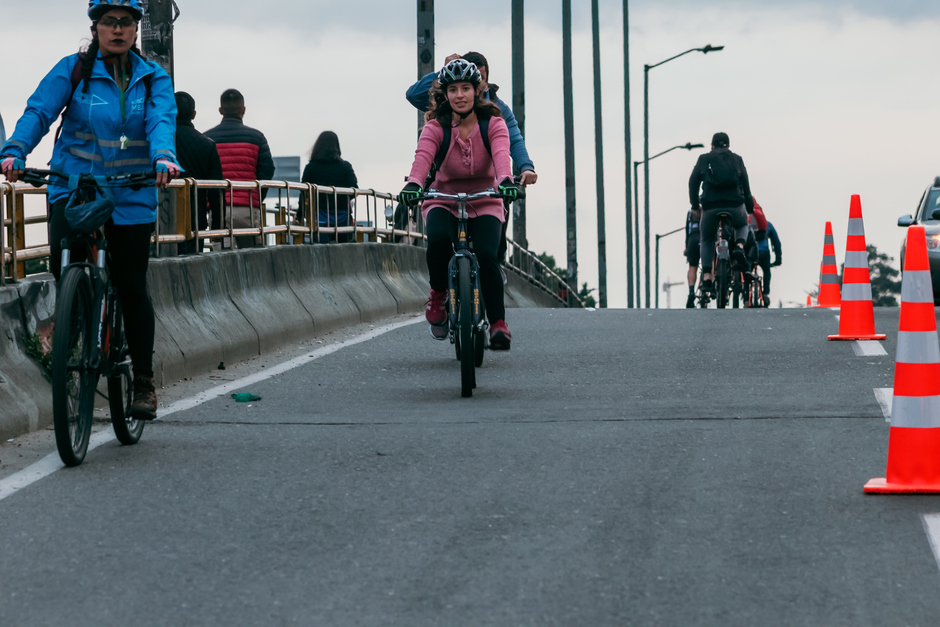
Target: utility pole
column 570, row 207
column 599, row 160
column 425, row 45
column 156, row 32
column 626, row 99
column 518, row 108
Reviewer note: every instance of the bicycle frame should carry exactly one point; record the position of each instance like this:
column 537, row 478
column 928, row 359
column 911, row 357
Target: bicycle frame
column 462, row 249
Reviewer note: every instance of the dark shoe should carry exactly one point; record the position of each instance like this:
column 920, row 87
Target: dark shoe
column 144, row 405
column 690, row 301
column 766, row 301
column 436, row 308
column 500, row 337
column 739, row 258
column 708, row 287
column 440, row 331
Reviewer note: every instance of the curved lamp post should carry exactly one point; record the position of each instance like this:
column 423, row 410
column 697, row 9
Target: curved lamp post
column 636, row 205
column 646, row 148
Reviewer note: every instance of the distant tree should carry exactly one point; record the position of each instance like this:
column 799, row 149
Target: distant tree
column 885, row 279
column 584, row 294
column 549, row 261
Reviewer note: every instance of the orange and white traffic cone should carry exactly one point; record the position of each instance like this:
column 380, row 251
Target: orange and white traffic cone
column 829, row 293
column 914, row 441
column 809, row 300
column 857, row 313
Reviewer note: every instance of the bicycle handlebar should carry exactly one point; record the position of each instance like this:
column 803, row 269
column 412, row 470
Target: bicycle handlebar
column 38, row 178
column 433, row 194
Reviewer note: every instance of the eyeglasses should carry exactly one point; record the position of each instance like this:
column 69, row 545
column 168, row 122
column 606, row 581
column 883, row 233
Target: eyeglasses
column 110, row 22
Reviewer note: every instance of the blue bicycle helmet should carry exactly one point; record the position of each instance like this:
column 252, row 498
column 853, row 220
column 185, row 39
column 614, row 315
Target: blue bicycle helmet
column 97, row 8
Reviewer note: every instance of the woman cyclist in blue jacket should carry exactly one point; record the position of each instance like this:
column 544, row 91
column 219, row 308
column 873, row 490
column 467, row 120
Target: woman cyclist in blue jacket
column 119, row 117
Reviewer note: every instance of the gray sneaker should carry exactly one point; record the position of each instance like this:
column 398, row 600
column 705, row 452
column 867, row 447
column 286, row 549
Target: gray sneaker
column 439, row 331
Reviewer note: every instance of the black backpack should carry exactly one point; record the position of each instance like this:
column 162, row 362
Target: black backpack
column 445, row 146
column 721, row 171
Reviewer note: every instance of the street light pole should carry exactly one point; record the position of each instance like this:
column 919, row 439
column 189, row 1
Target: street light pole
column 518, row 108
column 631, row 287
column 659, row 237
column 599, row 161
column 646, row 149
column 636, row 204
column 570, row 207
column 425, row 45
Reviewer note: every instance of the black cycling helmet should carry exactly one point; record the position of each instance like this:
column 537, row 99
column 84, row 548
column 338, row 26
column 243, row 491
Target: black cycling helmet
column 459, row 71
column 720, row 140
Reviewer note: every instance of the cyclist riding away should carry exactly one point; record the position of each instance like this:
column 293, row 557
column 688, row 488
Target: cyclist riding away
column 725, row 190
column 119, row 116
column 472, row 163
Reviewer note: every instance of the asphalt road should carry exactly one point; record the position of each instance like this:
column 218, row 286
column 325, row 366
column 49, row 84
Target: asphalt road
column 616, row 468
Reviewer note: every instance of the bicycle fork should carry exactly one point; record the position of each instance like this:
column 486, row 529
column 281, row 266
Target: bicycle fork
column 453, row 289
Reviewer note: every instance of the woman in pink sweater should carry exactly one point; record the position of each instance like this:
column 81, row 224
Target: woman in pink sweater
column 468, row 167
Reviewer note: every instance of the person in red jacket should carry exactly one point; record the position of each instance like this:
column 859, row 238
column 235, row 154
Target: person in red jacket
column 245, row 157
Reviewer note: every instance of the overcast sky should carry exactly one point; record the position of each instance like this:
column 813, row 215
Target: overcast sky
column 822, row 99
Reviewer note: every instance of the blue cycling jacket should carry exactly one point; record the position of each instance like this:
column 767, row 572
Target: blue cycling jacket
column 95, row 139
column 418, row 96
column 771, row 239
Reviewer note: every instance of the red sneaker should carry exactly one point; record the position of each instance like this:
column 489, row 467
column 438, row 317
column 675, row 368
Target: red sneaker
column 500, row 337
column 436, row 311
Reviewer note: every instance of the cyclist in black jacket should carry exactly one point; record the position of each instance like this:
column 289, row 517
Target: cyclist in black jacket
column 200, row 159
column 725, row 189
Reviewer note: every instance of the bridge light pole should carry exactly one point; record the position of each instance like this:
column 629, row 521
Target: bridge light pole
column 599, row 161
column 518, row 108
column 570, row 206
column 636, row 205
column 659, row 237
column 646, row 149
column 631, row 288
column 425, row 45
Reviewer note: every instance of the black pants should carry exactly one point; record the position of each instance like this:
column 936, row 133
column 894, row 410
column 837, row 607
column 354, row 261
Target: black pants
column 485, row 232
column 129, row 245
column 765, row 268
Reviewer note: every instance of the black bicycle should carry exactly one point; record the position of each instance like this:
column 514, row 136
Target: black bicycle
column 466, row 315
column 88, row 338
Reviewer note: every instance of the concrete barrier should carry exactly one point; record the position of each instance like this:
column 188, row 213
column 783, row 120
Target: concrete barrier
column 231, row 306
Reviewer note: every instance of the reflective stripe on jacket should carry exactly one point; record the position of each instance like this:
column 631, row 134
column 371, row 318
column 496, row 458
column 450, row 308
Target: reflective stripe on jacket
column 91, row 140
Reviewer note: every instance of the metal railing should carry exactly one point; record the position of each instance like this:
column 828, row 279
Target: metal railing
column 290, row 219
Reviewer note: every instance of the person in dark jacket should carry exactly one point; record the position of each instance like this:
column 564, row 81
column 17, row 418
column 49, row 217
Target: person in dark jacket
column 245, row 157
column 327, row 167
column 763, row 251
column 200, row 160
column 692, row 251
column 722, row 177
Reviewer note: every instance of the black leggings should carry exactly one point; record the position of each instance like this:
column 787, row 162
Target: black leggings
column 485, row 232
column 129, row 245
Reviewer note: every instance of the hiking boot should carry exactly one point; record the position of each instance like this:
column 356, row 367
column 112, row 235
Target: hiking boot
column 144, row 405
column 500, row 337
column 436, row 308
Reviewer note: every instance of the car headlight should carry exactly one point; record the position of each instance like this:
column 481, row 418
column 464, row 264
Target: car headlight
column 933, row 242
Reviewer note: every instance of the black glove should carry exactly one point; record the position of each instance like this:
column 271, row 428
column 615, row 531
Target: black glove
column 408, row 196
column 509, row 190
column 776, row 262
column 761, row 235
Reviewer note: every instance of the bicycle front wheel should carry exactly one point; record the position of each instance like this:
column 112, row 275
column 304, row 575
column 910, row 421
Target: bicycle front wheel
column 465, row 328
column 120, row 384
column 73, row 381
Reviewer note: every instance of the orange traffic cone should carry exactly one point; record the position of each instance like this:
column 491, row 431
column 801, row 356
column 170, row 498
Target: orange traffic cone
column 857, row 314
column 829, row 293
column 914, row 441
column 809, row 300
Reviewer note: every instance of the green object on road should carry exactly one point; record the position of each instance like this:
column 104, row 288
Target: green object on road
column 246, row 397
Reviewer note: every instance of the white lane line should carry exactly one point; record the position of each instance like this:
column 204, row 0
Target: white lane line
column 869, row 348
column 932, row 527
column 885, row 396
column 51, row 463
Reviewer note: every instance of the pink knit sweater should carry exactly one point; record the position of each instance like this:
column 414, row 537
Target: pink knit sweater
column 467, row 168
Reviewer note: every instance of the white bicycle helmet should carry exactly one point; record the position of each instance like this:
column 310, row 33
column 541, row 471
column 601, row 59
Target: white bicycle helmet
column 459, row 71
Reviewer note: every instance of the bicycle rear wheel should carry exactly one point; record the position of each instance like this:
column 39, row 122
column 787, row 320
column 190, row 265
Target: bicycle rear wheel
column 120, row 384
column 722, row 280
column 73, row 381
column 465, row 328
